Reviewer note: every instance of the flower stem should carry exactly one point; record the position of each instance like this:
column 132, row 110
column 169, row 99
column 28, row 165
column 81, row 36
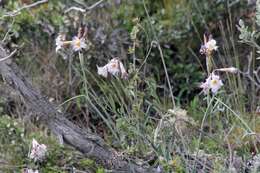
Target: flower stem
column 209, row 64
column 83, row 73
column 236, row 115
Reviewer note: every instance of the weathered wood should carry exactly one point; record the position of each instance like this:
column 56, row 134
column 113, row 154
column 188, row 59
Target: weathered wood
column 91, row 145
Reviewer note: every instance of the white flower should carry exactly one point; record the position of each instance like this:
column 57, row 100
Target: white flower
column 114, row 67
column 38, row 151
column 211, row 45
column 205, row 86
column 30, row 171
column 123, row 72
column 213, row 83
column 78, row 44
column 59, row 42
column 158, row 169
column 102, row 71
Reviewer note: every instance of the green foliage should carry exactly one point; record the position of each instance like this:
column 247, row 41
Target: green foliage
column 245, row 34
column 100, row 170
column 86, row 163
column 172, row 25
column 13, row 146
column 136, row 115
column 126, row 111
column 257, row 15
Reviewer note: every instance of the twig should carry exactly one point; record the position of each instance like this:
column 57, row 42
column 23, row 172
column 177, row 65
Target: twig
column 83, row 10
column 16, row 12
column 76, row 9
column 147, row 55
column 250, row 59
column 9, row 56
column 229, row 145
column 7, row 33
column 245, row 74
column 256, row 74
column 254, row 77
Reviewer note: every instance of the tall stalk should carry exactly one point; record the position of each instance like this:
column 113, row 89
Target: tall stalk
column 85, row 84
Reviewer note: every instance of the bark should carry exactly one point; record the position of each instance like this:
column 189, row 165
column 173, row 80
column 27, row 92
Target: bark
column 91, row 145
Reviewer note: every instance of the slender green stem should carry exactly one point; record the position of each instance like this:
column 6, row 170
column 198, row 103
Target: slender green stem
column 134, row 56
column 209, row 64
column 236, row 115
column 70, row 99
column 161, row 55
column 81, row 59
column 107, row 120
column 201, row 128
column 88, row 94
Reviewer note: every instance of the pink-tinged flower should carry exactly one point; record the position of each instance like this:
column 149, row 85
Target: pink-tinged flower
column 203, row 50
column 102, row 71
column 213, row 83
column 209, row 46
column 59, row 42
column 38, row 151
column 205, row 86
column 113, row 67
column 30, row 171
column 78, row 43
column 158, row 169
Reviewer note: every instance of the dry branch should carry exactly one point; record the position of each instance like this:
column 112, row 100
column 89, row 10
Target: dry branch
column 16, row 12
column 8, row 56
column 89, row 144
column 83, row 10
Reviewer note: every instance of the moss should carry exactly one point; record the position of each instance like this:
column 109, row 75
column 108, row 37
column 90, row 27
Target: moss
column 12, row 144
column 87, row 163
column 212, row 146
column 100, row 170
column 177, row 165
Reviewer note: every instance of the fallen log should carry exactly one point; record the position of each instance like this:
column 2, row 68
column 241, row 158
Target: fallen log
column 91, row 145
